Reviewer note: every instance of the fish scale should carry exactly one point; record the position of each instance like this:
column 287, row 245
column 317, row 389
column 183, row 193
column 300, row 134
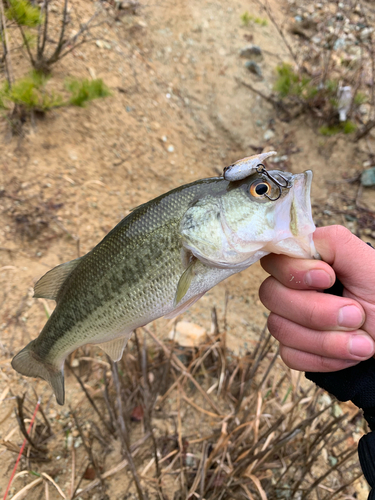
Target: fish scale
column 158, row 261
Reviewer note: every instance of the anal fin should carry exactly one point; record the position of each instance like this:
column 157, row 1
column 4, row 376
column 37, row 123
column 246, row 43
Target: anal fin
column 115, row 348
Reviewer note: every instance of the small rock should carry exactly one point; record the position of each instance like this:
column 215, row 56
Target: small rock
column 340, row 43
column 102, row 44
column 298, row 19
column 367, row 163
column 310, row 9
column 155, row 125
column 269, row 134
column 73, row 155
column 365, row 33
column 142, row 24
column 332, row 460
column 188, row 334
column 170, row 148
column 254, row 68
column 251, row 51
column 190, row 460
column 278, row 159
column 130, row 7
column 78, row 442
column 368, row 177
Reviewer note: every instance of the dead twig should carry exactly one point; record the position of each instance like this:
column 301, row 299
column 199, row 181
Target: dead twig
column 276, row 103
column 123, row 434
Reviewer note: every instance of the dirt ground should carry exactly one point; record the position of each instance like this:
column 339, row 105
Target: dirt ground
column 178, row 112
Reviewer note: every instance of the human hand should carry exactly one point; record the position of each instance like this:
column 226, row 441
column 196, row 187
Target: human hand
column 322, row 332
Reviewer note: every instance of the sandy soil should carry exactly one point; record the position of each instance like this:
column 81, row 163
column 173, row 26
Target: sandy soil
column 174, row 72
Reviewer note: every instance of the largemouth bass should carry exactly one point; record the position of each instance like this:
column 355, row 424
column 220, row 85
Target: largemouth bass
column 162, row 258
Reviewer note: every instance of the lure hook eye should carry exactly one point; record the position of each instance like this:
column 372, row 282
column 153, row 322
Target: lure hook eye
column 261, row 169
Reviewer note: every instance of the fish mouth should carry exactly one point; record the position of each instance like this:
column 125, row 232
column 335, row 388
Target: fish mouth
column 299, row 240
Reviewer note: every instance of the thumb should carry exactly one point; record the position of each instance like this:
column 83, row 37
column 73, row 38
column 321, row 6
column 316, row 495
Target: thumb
column 351, row 258
column 354, row 264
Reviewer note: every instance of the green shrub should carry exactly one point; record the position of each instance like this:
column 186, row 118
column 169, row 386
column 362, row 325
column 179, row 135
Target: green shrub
column 329, row 130
column 349, row 127
column 289, row 82
column 30, row 93
column 23, row 13
column 260, row 20
column 246, row 18
column 23, row 92
column 346, row 127
column 331, row 86
column 321, row 99
column 3, row 104
column 360, row 98
column 86, row 90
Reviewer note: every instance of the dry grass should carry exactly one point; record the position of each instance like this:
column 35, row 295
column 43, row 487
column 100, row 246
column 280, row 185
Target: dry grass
column 232, row 428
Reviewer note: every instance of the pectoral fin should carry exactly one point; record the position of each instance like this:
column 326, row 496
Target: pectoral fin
column 49, row 285
column 185, row 282
column 115, row 348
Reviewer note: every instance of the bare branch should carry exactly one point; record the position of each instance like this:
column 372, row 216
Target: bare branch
column 45, row 30
column 55, row 55
column 5, row 42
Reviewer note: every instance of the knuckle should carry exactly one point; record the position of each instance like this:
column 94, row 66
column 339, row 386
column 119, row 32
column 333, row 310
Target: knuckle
column 342, row 234
column 326, row 364
column 334, row 346
column 286, row 356
column 326, row 345
column 267, row 292
column 277, row 327
column 313, row 314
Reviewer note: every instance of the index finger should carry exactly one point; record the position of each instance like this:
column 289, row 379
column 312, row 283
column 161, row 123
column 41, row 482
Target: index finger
column 299, row 274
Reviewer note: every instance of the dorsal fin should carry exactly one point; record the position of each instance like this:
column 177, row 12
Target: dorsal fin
column 49, row 285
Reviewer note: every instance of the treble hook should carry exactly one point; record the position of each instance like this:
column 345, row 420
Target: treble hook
column 261, row 169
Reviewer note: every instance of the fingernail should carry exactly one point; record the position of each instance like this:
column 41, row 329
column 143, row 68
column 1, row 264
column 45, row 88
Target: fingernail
column 361, row 346
column 318, row 278
column 350, row 317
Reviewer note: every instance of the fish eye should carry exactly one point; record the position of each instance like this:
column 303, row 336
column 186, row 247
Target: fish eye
column 260, row 188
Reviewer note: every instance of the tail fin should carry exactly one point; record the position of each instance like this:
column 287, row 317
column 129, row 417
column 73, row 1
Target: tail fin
column 28, row 363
